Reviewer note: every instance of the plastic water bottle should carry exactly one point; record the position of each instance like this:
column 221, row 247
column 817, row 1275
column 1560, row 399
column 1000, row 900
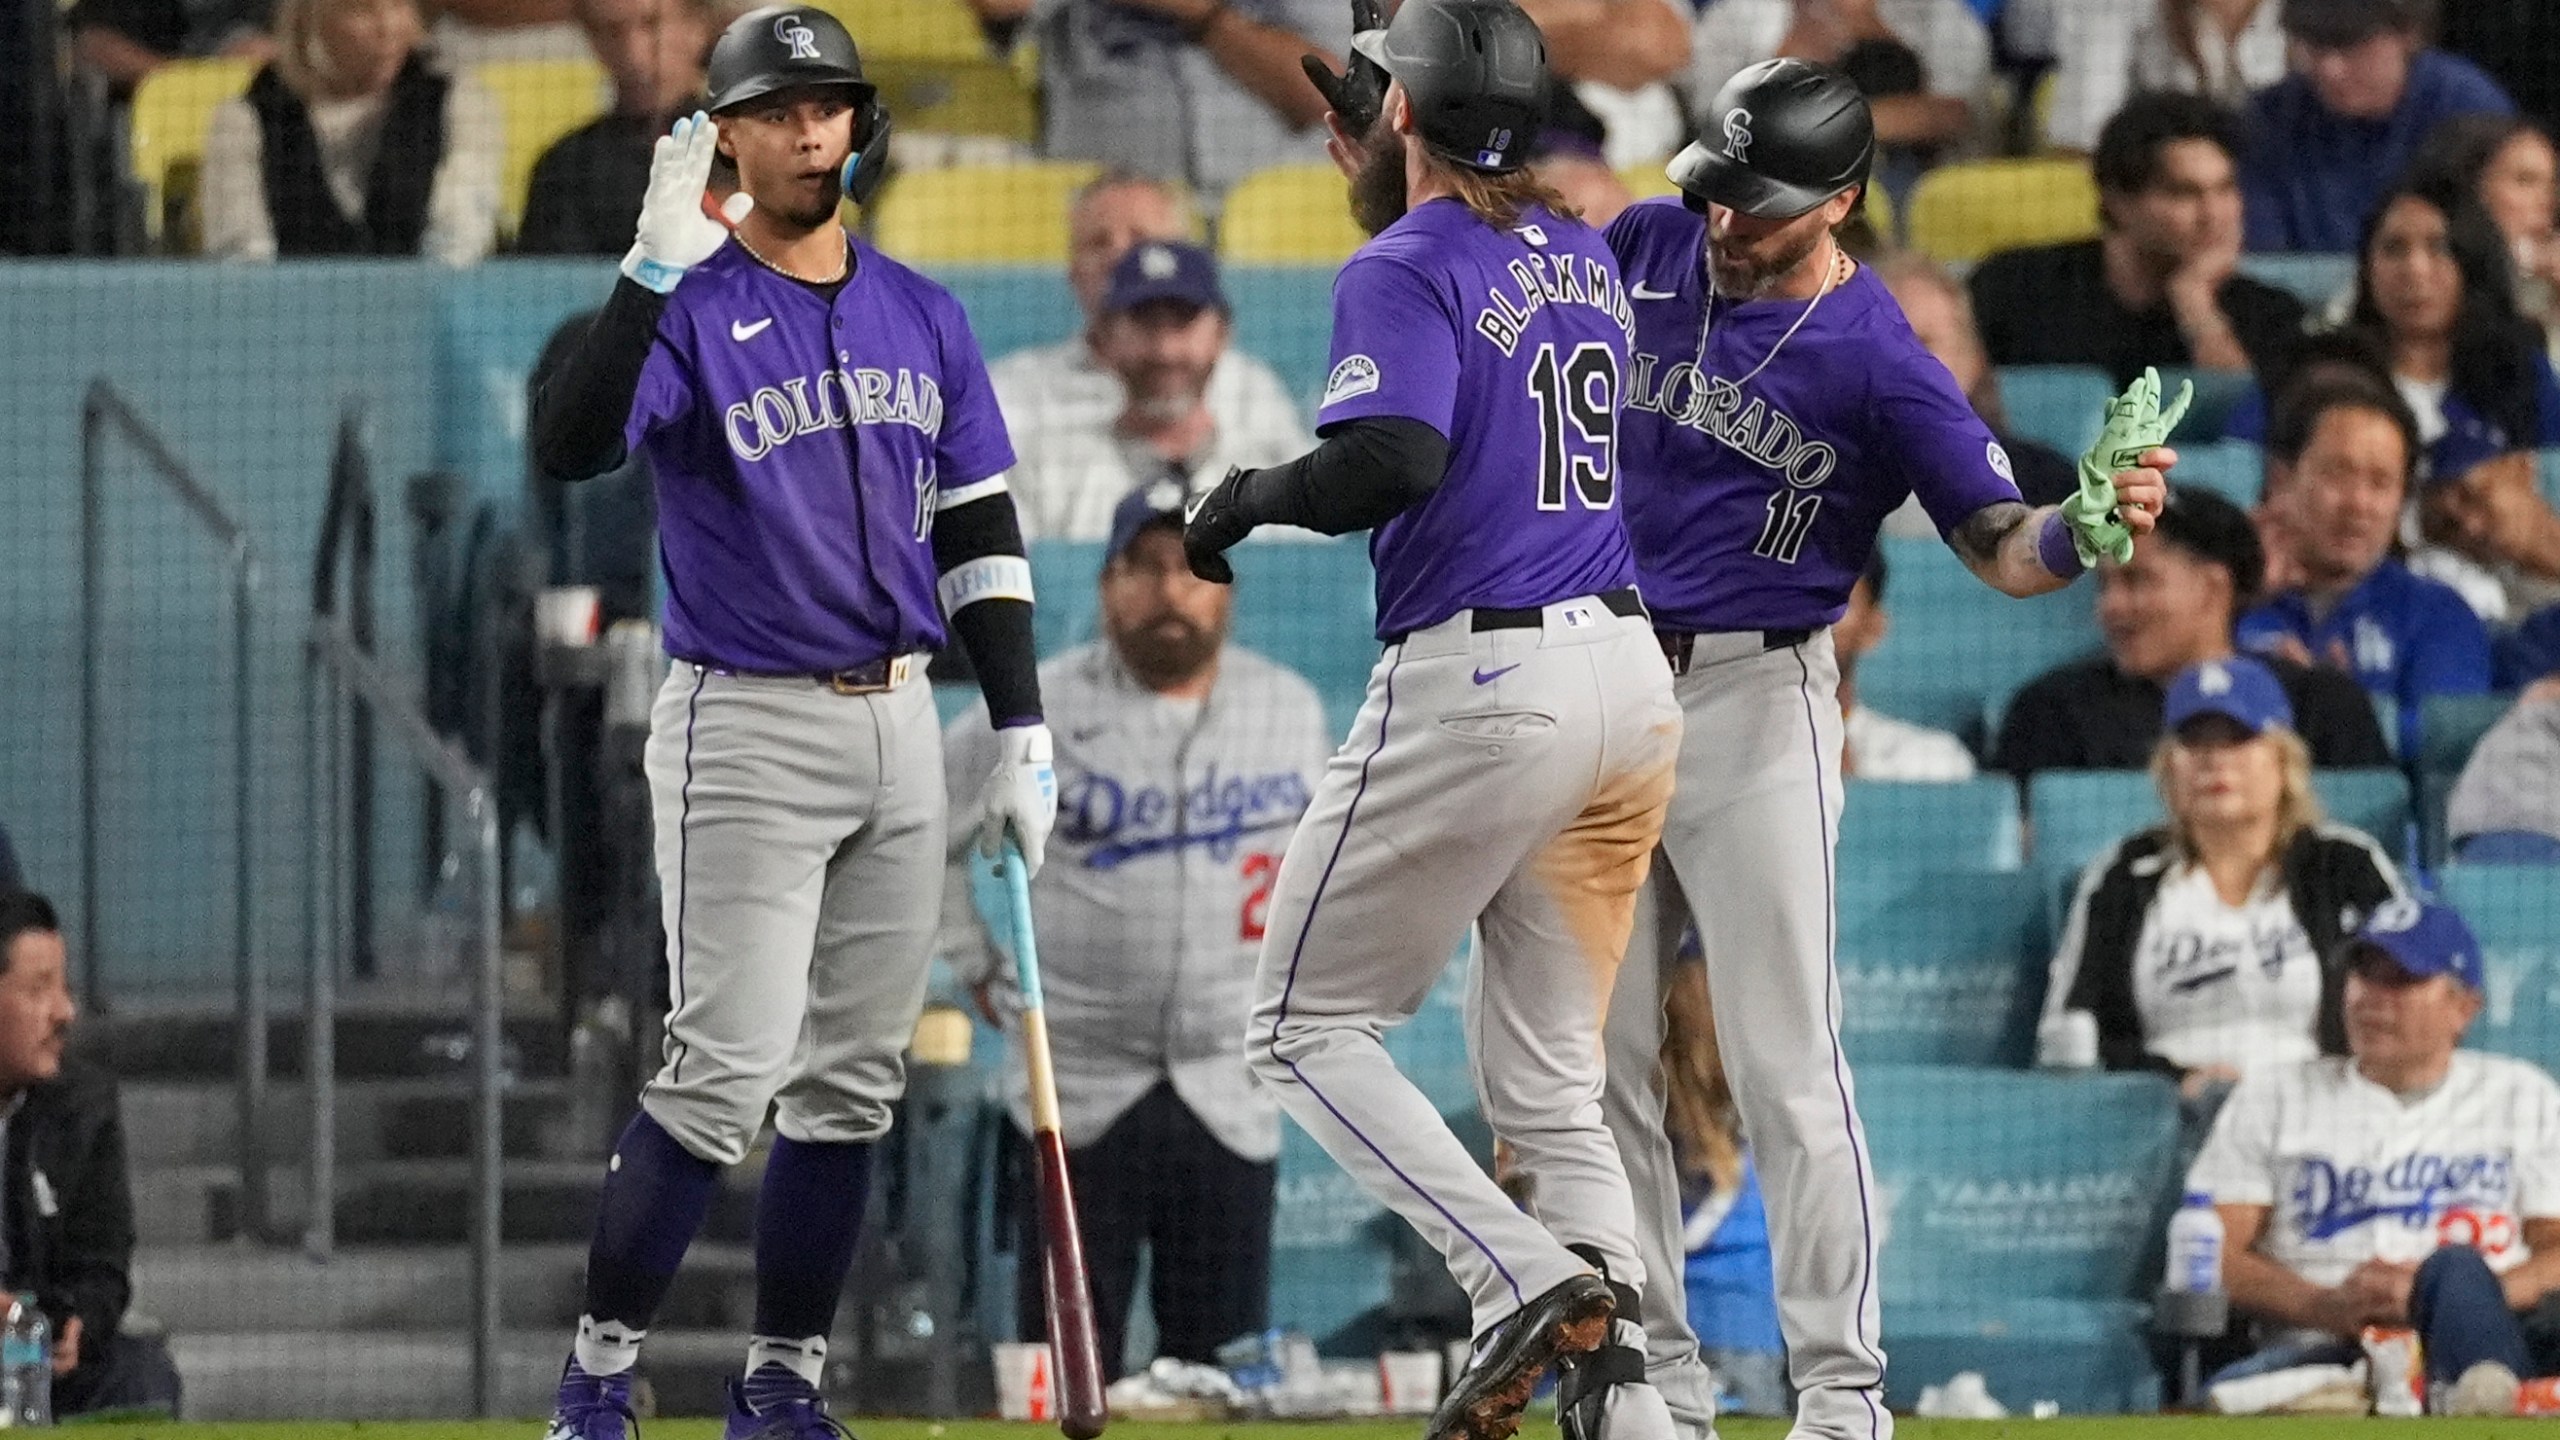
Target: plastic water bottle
column 26, row 1365
column 2195, row 1247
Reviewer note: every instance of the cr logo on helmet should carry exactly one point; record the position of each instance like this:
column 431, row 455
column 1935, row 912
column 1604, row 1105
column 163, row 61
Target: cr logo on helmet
column 1737, row 135
column 802, row 40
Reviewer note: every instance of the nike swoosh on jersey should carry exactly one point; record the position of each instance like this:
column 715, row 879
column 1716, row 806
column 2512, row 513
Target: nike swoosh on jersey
column 741, row 331
column 1639, row 291
column 1487, row 677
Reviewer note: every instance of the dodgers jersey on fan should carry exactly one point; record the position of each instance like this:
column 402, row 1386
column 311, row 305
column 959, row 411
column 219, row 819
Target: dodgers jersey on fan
column 801, row 450
column 2356, row 1173
column 1753, row 500
column 1513, row 344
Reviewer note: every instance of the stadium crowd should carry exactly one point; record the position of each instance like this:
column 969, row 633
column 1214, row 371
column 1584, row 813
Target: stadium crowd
column 2386, row 542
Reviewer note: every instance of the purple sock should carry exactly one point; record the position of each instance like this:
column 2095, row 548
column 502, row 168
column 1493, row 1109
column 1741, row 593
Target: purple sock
column 808, row 1216
column 656, row 1193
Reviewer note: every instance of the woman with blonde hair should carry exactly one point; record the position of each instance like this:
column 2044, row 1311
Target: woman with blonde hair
column 2204, row 946
column 353, row 142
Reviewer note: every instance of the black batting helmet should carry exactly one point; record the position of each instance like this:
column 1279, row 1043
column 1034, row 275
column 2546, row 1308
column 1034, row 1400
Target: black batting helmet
column 1475, row 72
column 786, row 47
column 1780, row 138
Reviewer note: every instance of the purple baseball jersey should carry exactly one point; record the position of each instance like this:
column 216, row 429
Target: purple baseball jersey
column 1512, row 343
column 1753, row 500
column 799, row 450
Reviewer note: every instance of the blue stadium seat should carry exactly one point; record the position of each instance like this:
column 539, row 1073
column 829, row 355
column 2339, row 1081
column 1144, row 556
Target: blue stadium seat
column 2231, row 469
column 2217, row 394
column 2075, row 814
column 2314, row 279
column 2450, row 725
column 1282, row 317
column 2058, row 404
column 1952, row 632
column 2374, row 801
column 2017, row 1206
column 1969, row 826
column 2515, row 910
column 1939, row 967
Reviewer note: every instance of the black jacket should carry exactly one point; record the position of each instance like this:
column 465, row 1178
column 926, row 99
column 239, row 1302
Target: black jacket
column 2333, row 876
column 70, row 1204
column 2089, row 715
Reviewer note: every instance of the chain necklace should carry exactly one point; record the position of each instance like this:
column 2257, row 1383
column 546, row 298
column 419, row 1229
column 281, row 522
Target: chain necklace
column 1842, row 267
column 844, row 263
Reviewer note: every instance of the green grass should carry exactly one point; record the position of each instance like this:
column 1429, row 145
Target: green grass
column 2167, row 1427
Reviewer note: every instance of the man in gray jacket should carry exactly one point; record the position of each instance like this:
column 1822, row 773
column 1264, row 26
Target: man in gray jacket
column 1183, row 763
column 2506, row 806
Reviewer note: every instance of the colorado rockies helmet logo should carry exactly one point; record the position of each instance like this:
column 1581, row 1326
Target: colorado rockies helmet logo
column 792, row 31
column 1737, row 135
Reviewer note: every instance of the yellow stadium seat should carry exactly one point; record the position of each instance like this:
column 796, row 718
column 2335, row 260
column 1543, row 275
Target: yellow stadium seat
column 539, row 101
column 911, row 29
column 172, row 112
column 980, row 214
column 1960, row 213
column 975, row 97
column 1647, row 182
column 1288, row 215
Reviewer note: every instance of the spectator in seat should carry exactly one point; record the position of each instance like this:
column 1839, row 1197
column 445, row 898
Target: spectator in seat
column 2172, row 608
column 1199, row 91
column 2105, row 51
column 2406, row 1183
column 2161, row 284
column 2506, row 806
column 585, row 195
column 1067, row 387
column 2328, row 140
column 1921, row 63
column 2508, row 164
column 1940, row 312
column 1876, row 746
column 66, row 1201
column 352, row 142
column 2432, row 285
column 1164, row 324
column 2482, row 525
column 2201, row 945
column 1183, row 765
column 2340, row 457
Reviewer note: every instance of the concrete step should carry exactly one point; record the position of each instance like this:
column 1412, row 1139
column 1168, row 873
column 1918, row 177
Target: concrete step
column 179, row 1122
column 201, row 1291
column 393, row 1202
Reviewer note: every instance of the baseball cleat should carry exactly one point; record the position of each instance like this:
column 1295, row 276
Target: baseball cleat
column 785, row 1407
column 1592, row 1387
column 592, row 1407
column 1486, row 1401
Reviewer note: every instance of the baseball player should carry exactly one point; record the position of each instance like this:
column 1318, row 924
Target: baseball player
column 1777, row 409
column 830, row 478
column 1511, row 763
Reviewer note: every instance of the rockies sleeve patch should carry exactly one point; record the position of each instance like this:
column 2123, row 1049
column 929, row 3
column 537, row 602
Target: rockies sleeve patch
column 1356, row 375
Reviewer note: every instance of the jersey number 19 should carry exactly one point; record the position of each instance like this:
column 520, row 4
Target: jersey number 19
column 1577, row 425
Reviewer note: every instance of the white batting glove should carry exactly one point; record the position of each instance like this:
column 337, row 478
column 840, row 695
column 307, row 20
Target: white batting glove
column 675, row 234
column 1021, row 795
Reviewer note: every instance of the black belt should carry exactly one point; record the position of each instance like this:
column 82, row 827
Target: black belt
column 1487, row 617
column 1677, row 645
column 886, row 673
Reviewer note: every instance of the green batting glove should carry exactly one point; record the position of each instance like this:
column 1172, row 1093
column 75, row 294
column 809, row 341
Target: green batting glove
column 2134, row 423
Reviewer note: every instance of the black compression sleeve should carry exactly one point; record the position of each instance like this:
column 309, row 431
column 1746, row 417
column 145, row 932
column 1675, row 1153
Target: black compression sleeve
column 578, row 414
column 1364, row 473
column 994, row 629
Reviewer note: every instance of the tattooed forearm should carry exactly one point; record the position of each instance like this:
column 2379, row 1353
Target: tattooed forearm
column 1977, row 541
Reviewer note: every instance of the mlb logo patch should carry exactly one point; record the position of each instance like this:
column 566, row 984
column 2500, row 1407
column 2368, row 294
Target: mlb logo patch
column 1577, row 617
column 1356, row 375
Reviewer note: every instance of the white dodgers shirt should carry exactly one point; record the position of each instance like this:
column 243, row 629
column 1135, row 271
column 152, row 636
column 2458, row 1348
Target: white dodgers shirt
column 2354, row 1172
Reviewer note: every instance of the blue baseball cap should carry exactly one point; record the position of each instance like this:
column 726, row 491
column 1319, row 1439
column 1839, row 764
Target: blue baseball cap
column 1156, row 502
column 2424, row 939
column 1164, row 270
column 2238, row 688
column 2469, row 440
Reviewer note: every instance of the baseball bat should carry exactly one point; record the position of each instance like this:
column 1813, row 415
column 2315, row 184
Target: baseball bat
column 1082, row 1410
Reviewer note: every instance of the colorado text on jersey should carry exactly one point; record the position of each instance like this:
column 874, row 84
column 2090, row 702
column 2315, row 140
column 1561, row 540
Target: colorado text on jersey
column 1709, row 404
column 775, row 415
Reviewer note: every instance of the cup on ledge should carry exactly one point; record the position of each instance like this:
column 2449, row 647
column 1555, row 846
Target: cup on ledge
column 2067, row 1041
column 568, row 614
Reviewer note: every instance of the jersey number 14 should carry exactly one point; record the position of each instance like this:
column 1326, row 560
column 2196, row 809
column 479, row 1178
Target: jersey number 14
column 1577, row 425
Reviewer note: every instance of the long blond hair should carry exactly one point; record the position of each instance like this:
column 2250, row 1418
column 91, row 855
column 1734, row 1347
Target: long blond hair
column 1497, row 200
column 302, row 60
column 2297, row 804
column 1698, row 1106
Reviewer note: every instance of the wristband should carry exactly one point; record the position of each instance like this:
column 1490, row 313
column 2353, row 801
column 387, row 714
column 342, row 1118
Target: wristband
column 2056, row 550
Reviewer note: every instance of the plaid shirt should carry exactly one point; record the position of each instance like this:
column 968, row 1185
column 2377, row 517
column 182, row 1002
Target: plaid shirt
column 1150, row 908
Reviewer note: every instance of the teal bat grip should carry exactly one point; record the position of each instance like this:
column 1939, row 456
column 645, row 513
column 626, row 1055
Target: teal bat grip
column 1017, row 903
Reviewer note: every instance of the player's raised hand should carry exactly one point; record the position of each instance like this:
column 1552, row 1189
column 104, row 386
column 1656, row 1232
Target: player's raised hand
column 2121, row 477
column 1215, row 523
column 1020, row 796
column 676, row 231
column 1360, row 91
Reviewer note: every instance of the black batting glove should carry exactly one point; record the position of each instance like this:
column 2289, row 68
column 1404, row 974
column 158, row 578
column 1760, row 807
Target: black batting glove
column 1360, row 92
column 1215, row 522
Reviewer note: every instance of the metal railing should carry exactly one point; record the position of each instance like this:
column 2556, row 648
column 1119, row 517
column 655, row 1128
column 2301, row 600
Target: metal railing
column 104, row 415
column 346, row 681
